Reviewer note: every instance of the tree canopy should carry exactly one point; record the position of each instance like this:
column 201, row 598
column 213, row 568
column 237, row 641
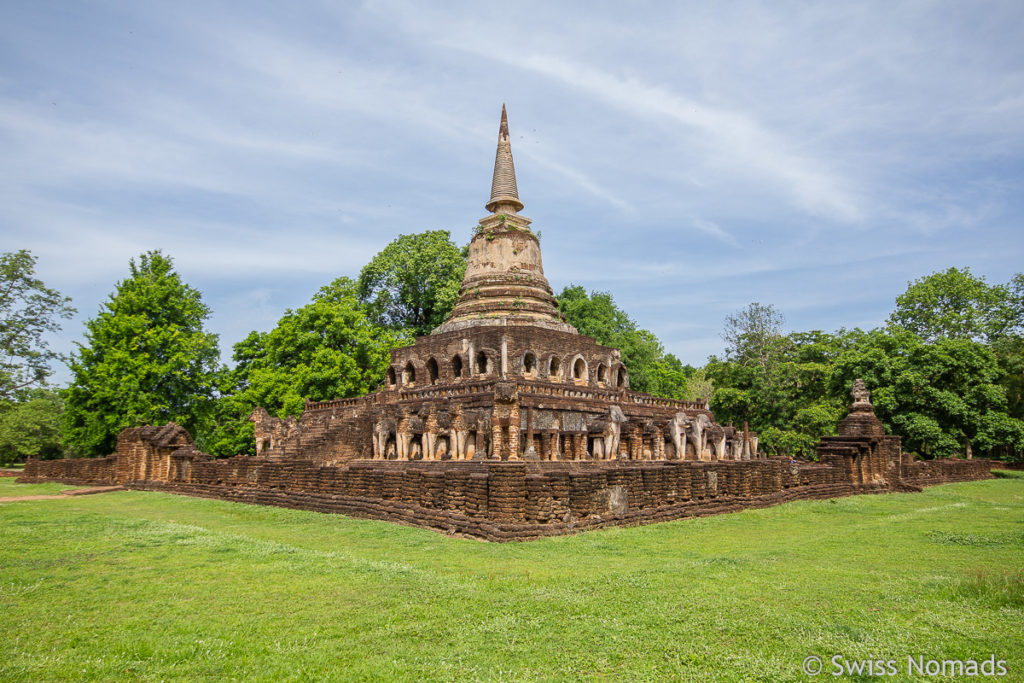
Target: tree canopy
column 413, row 283
column 28, row 311
column 146, row 359
column 651, row 370
column 943, row 398
column 946, row 375
column 954, row 304
column 751, row 334
column 329, row 348
column 781, row 385
column 31, row 428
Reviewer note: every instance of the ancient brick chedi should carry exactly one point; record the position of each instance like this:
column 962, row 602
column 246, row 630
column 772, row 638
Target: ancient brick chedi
column 505, row 423
column 504, row 378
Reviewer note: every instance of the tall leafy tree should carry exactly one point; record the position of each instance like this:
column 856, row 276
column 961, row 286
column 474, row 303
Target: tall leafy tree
column 672, row 379
column 28, row 311
column 146, row 359
column 650, row 369
column 413, row 283
column 329, row 348
column 745, row 379
column 779, row 383
column 955, row 304
column 1016, row 289
column 1009, row 351
column 753, row 333
column 943, row 398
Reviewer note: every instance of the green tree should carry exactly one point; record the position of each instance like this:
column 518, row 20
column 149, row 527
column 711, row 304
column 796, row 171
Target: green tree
column 28, row 311
column 943, row 398
column 31, row 429
column 699, row 386
column 752, row 334
column 1009, row 351
column 146, row 360
column 954, row 304
column 413, row 283
column 671, row 379
column 780, row 384
column 598, row 316
column 329, row 348
column 1016, row 288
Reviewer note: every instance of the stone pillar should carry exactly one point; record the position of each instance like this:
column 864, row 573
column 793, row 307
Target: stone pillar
column 504, row 357
column 429, row 438
column 402, row 438
column 512, row 434
column 496, row 441
column 636, row 445
column 479, row 448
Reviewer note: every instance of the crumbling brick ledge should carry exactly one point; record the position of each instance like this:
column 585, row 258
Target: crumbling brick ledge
column 513, row 501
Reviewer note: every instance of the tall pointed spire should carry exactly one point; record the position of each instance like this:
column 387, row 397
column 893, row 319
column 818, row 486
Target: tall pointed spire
column 504, row 194
column 504, row 282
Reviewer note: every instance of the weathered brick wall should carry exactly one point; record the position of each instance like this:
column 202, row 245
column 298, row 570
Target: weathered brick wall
column 71, row 471
column 513, row 500
column 928, row 472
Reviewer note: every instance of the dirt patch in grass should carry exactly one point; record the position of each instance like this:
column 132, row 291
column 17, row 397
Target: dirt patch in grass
column 60, row 494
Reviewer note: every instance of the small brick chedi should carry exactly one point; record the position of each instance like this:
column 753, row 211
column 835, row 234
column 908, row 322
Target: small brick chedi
column 504, row 378
column 505, row 423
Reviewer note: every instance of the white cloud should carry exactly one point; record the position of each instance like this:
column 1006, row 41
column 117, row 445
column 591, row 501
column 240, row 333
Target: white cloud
column 686, row 157
column 714, row 230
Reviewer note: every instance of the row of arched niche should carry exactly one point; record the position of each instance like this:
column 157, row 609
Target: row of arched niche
column 548, row 368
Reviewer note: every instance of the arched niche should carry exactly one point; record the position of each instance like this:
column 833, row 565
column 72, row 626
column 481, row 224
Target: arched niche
column 579, row 370
column 529, row 365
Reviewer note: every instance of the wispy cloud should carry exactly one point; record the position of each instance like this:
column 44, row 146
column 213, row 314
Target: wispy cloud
column 735, row 136
column 685, row 157
column 714, row 230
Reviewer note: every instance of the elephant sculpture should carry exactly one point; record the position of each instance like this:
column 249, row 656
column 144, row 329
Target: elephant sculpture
column 683, row 429
column 613, row 432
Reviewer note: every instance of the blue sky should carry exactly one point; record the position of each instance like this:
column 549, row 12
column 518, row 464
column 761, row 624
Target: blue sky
column 690, row 158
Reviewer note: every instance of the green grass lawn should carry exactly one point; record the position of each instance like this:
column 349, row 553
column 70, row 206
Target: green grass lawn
column 137, row 585
column 8, row 488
